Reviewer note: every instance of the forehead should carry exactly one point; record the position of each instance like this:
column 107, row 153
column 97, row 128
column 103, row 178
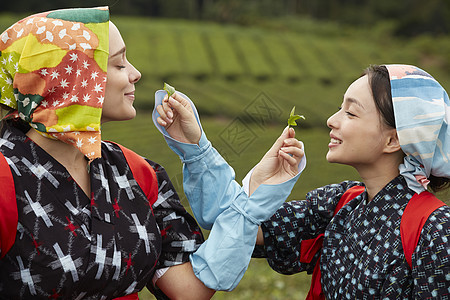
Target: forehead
column 360, row 90
column 115, row 39
column 359, row 85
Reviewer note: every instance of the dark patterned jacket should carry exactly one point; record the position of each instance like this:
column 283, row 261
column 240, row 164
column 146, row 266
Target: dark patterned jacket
column 71, row 246
column 362, row 255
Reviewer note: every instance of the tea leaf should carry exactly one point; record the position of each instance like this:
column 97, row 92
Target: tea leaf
column 292, row 118
column 169, row 89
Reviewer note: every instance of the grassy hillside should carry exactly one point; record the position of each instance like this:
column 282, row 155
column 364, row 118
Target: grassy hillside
column 244, row 81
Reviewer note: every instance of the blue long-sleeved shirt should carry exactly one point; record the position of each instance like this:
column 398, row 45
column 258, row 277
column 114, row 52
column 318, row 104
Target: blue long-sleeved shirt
column 219, row 203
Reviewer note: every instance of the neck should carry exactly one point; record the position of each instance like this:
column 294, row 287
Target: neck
column 377, row 177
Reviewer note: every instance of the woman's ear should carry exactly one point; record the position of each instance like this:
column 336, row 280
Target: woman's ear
column 392, row 142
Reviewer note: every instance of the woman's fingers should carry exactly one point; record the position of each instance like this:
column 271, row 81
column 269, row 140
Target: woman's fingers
column 292, row 152
column 167, row 109
column 183, row 101
column 163, row 115
column 288, row 158
column 291, row 132
column 292, row 142
column 278, row 143
column 295, row 154
column 181, row 106
column 161, row 122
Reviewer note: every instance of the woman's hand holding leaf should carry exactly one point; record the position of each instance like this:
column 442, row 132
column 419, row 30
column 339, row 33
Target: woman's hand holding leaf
column 177, row 116
column 280, row 163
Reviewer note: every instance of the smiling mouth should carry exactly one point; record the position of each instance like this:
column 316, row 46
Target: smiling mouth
column 335, row 141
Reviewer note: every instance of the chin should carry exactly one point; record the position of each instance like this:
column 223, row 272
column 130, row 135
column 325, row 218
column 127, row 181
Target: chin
column 331, row 158
column 133, row 115
column 129, row 115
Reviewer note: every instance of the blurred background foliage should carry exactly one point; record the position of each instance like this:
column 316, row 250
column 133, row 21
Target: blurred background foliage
column 247, row 63
column 411, row 17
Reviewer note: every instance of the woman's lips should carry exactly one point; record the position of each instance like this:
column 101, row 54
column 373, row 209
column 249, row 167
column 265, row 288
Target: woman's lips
column 334, row 141
column 130, row 95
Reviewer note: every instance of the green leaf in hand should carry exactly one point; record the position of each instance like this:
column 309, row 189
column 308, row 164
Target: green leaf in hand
column 293, row 118
column 169, row 89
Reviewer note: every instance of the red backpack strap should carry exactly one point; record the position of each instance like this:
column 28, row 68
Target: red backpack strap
column 349, row 195
column 309, row 248
column 143, row 173
column 134, row 296
column 416, row 213
column 8, row 208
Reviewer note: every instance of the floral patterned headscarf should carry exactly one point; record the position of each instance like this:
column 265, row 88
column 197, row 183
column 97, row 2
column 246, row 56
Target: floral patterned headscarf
column 53, row 74
column 422, row 114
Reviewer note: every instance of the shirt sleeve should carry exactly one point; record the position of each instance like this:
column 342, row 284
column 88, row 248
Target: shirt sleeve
column 206, row 175
column 296, row 221
column 220, row 203
column 430, row 260
column 180, row 233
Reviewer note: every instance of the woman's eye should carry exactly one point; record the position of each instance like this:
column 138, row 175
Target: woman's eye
column 121, row 67
column 350, row 114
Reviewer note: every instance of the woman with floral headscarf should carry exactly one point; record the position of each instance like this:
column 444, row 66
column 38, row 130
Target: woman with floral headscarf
column 86, row 227
column 393, row 129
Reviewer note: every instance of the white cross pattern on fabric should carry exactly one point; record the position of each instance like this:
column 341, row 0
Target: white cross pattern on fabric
column 172, row 216
column 25, row 275
column 38, row 210
column 162, row 197
column 107, row 218
column 66, row 262
column 13, row 166
column 72, row 209
column 187, row 246
column 100, row 257
column 131, row 288
column 41, row 171
column 116, row 262
column 86, row 232
column 105, row 183
column 123, row 182
column 80, row 296
column 86, row 211
column 143, row 235
column 6, row 143
column 20, row 230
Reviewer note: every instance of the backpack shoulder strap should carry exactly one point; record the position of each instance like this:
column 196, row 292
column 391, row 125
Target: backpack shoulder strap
column 8, row 208
column 349, row 195
column 416, row 213
column 143, row 173
column 309, row 248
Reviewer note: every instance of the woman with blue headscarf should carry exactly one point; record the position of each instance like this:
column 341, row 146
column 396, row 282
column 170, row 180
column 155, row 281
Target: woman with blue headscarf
column 393, row 129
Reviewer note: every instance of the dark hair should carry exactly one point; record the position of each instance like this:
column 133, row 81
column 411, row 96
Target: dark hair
column 380, row 85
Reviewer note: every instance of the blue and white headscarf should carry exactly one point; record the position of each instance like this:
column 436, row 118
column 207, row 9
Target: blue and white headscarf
column 422, row 114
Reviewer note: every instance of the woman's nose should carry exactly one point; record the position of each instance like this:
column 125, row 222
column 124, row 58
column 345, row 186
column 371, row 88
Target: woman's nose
column 332, row 120
column 135, row 75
